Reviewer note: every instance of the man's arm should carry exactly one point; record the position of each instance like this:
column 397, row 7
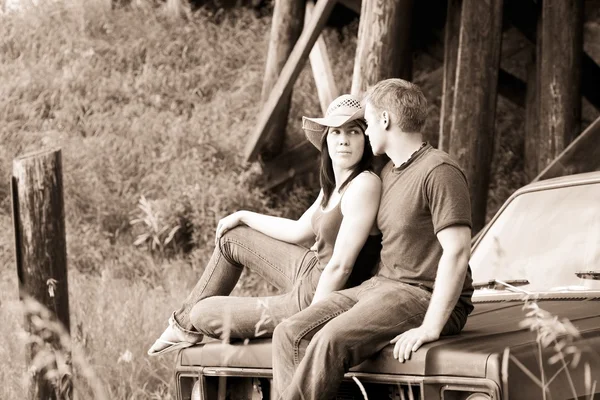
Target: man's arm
column 450, row 278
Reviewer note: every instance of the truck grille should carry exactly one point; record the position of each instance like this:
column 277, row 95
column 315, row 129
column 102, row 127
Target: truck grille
column 349, row 390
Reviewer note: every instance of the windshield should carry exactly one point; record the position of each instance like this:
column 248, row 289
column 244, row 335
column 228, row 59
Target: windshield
column 545, row 237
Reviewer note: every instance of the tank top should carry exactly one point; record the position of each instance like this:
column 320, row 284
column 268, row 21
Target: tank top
column 326, row 225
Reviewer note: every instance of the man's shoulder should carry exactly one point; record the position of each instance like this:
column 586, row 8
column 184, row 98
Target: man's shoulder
column 435, row 157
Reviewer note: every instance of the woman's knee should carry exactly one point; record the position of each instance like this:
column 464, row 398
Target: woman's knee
column 238, row 235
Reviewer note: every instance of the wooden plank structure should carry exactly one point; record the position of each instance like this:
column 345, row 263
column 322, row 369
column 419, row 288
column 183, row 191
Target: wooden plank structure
column 384, row 43
column 288, row 16
column 41, row 254
column 473, row 113
column 559, row 82
column 559, row 74
column 582, row 155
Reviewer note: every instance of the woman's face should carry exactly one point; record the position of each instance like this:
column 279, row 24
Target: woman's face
column 345, row 145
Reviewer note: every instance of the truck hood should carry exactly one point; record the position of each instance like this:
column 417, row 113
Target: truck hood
column 490, row 329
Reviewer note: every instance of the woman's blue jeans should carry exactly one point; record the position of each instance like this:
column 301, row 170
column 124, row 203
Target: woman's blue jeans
column 314, row 348
column 208, row 309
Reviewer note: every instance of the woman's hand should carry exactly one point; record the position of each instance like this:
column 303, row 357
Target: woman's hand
column 227, row 223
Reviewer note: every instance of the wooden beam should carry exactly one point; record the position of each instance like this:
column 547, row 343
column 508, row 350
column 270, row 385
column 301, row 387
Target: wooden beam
column 509, row 86
column 286, row 27
column 512, row 88
column 591, row 39
column 299, row 159
column 384, row 43
column 521, row 13
column 41, row 256
column 582, row 155
column 474, row 108
column 321, row 68
column 560, row 77
column 288, row 76
column 451, row 39
column 354, row 5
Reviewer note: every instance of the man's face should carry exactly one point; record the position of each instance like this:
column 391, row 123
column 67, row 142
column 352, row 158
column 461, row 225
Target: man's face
column 375, row 129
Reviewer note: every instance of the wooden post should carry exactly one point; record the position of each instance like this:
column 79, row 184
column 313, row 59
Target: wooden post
column 560, row 77
column 321, row 68
column 41, row 255
column 383, row 50
column 451, row 36
column 521, row 13
column 286, row 27
column 288, row 75
column 531, row 119
column 475, row 89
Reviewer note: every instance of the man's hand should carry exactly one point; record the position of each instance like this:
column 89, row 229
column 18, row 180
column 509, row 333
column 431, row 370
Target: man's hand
column 411, row 340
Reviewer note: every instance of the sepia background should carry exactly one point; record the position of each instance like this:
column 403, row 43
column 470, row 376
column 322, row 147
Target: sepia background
column 152, row 104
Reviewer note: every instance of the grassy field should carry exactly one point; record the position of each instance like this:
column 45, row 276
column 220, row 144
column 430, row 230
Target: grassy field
column 151, row 106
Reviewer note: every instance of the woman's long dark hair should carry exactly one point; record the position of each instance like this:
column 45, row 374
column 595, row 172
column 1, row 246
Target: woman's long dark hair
column 327, row 176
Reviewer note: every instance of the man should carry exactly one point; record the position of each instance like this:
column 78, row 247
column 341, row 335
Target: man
column 425, row 219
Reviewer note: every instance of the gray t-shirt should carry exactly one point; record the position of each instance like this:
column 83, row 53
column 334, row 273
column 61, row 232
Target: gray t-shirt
column 420, row 198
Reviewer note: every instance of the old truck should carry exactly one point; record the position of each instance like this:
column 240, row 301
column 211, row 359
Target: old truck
column 534, row 333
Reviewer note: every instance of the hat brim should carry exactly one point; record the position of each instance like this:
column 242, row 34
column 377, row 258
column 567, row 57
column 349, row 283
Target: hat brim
column 314, row 127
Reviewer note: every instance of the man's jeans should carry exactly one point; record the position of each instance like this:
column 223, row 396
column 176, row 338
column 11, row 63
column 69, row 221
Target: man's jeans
column 208, row 310
column 346, row 328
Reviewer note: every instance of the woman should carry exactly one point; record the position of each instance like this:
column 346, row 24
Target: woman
column 341, row 221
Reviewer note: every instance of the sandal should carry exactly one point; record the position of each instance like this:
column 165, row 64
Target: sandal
column 174, row 338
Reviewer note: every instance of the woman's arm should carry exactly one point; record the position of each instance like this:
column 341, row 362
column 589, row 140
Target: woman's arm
column 359, row 208
column 284, row 229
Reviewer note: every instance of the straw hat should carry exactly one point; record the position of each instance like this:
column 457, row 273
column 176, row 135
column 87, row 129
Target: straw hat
column 344, row 109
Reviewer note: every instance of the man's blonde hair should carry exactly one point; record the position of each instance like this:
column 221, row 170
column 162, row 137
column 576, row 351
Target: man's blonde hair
column 403, row 99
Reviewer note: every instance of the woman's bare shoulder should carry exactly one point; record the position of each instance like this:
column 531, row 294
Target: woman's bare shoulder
column 365, row 183
column 368, row 178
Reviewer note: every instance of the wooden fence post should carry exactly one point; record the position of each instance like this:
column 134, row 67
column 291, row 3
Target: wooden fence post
column 41, row 255
column 475, row 93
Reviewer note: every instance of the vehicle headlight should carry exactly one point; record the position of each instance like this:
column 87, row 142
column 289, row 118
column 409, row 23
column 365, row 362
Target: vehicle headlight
column 464, row 394
column 196, row 391
column 479, row 396
column 188, row 387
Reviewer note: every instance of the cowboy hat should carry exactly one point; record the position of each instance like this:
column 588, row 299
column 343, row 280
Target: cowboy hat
column 343, row 109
